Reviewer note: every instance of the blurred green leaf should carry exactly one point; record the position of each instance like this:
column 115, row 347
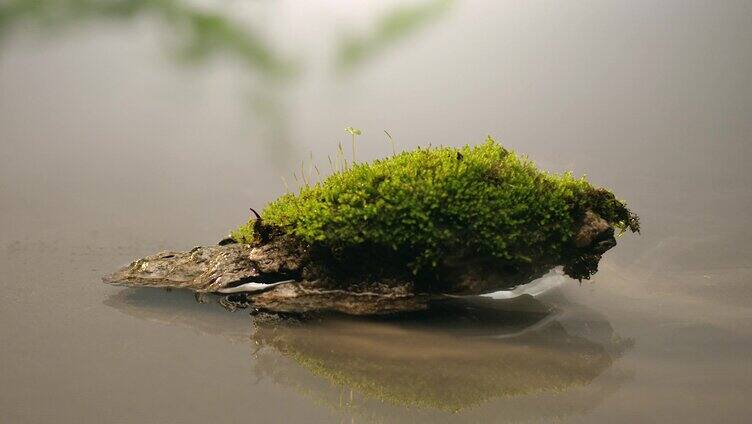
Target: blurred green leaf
column 392, row 27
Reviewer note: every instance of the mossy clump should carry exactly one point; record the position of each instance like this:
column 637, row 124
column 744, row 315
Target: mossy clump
column 244, row 233
column 423, row 205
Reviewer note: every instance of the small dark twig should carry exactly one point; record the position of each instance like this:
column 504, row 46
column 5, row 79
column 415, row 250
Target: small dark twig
column 258, row 217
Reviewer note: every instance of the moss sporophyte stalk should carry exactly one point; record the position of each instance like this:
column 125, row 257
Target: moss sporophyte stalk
column 426, row 205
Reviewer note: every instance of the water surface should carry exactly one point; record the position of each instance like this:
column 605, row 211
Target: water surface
column 125, row 133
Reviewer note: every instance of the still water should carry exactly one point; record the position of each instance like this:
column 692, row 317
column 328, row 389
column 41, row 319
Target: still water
column 153, row 125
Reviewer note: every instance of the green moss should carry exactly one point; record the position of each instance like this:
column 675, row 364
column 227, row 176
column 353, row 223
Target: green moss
column 427, row 203
column 244, row 233
column 426, row 384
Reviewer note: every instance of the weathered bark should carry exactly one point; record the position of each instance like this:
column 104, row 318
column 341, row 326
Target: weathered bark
column 377, row 299
column 283, row 276
column 270, row 277
column 205, row 269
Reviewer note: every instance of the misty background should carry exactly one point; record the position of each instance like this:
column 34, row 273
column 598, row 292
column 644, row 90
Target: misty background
column 134, row 125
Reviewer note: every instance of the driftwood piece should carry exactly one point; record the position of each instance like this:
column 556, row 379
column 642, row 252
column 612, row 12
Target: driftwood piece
column 280, row 276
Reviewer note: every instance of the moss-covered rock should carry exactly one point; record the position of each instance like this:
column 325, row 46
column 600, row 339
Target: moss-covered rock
column 423, row 206
column 393, row 235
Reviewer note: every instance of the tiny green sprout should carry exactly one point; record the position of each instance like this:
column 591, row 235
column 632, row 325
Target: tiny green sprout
column 391, row 141
column 303, row 173
column 341, row 160
column 354, row 132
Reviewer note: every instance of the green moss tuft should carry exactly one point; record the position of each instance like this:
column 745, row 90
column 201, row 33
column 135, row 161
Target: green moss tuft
column 244, row 233
column 427, row 203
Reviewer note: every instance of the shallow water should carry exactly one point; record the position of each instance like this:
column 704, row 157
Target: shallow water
column 111, row 149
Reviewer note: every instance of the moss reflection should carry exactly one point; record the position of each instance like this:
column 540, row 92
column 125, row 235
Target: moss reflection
column 531, row 360
column 461, row 354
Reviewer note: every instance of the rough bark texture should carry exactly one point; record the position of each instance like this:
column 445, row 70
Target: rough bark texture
column 204, row 269
column 379, row 299
column 282, row 275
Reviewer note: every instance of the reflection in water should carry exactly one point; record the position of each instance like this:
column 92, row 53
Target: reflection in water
column 452, row 358
column 462, row 353
column 180, row 308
